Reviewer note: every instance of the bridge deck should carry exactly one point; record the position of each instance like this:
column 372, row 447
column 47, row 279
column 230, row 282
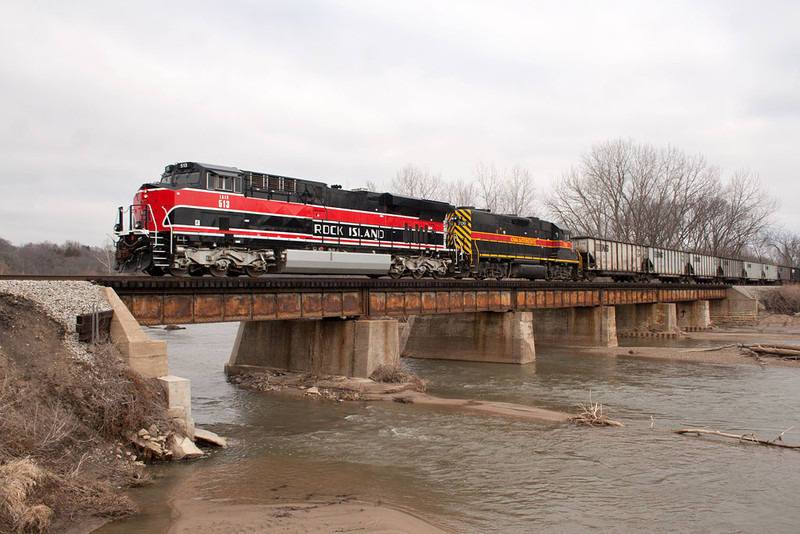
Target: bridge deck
column 203, row 300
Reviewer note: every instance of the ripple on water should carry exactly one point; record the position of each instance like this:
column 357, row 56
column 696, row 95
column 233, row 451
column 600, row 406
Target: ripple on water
column 483, row 474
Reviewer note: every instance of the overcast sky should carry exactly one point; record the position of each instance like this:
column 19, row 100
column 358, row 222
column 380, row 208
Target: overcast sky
column 97, row 97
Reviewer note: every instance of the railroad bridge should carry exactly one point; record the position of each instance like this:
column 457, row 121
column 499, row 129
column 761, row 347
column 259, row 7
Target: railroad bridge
column 351, row 325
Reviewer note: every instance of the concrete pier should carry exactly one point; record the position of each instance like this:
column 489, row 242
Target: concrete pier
column 178, row 394
column 352, row 348
column 693, row 315
column 658, row 317
column 588, row 326
column 505, row 337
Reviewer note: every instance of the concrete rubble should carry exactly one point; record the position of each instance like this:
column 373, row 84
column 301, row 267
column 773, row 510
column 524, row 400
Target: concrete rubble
column 207, row 437
column 154, row 446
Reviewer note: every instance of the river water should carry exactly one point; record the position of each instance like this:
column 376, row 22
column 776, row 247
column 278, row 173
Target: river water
column 476, row 473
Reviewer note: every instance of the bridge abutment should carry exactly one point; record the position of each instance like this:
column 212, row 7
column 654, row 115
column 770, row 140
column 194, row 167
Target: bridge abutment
column 581, row 326
column 352, row 348
column 147, row 356
column 504, row 337
column 738, row 306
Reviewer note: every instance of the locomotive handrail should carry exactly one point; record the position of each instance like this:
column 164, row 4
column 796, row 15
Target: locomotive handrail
column 153, row 215
column 171, row 230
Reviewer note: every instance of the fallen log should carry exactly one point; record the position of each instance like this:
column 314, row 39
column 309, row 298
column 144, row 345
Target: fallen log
column 744, row 437
column 755, row 355
column 774, row 350
column 712, row 349
column 786, row 351
column 781, row 346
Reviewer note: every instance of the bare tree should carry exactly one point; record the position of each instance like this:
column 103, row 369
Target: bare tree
column 660, row 197
column 487, row 182
column 518, row 191
column 592, row 199
column 738, row 214
column 784, row 247
column 105, row 255
column 504, row 190
column 461, row 193
column 413, row 181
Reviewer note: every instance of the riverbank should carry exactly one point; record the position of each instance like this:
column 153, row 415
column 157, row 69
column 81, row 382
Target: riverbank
column 721, row 343
column 67, row 414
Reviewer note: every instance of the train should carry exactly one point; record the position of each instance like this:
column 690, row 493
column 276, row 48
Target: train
column 201, row 219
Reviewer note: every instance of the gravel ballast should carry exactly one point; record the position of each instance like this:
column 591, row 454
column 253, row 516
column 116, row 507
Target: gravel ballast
column 63, row 301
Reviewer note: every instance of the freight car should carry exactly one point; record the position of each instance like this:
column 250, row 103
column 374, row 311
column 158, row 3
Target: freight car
column 635, row 263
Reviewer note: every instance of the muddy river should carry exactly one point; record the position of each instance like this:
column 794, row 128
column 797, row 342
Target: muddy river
column 475, row 473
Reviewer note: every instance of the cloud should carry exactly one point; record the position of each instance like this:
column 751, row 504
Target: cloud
column 98, row 97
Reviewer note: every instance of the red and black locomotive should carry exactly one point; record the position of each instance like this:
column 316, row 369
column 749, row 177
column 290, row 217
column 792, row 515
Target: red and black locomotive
column 224, row 221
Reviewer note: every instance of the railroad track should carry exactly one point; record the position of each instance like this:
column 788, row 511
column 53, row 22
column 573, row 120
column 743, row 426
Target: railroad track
column 279, row 282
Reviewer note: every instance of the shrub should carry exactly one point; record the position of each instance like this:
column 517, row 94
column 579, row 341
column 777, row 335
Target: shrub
column 783, row 300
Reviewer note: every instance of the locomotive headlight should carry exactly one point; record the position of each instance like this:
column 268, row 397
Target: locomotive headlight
column 138, row 225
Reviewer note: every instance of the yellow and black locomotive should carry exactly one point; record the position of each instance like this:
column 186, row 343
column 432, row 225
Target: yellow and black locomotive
column 492, row 245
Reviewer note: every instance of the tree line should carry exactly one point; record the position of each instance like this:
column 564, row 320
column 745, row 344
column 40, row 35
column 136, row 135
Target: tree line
column 632, row 192
column 69, row 258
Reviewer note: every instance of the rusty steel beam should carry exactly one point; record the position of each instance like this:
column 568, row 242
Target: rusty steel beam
column 167, row 305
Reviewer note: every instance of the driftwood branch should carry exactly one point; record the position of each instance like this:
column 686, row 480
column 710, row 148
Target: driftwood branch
column 744, row 437
column 776, row 350
column 712, row 349
column 592, row 415
column 791, row 352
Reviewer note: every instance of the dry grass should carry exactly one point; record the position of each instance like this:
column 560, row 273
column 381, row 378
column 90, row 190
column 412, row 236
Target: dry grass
column 18, row 480
column 394, row 374
column 123, row 401
column 29, row 425
column 63, row 425
column 784, row 300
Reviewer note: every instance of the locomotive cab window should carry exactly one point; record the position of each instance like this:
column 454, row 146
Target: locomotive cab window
column 181, row 179
column 189, row 178
column 221, row 182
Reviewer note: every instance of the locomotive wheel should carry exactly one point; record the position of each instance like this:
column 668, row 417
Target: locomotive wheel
column 437, row 275
column 395, row 275
column 252, row 272
column 176, row 271
column 216, row 272
column 419, row 273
